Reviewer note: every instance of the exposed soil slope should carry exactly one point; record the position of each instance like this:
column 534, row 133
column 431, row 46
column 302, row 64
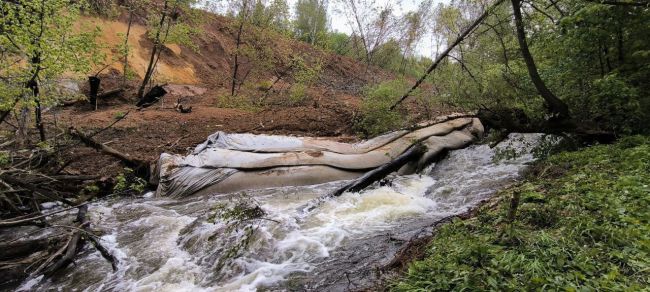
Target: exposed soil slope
column 201, row 79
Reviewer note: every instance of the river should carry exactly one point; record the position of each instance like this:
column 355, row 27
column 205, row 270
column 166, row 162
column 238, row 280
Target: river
column 179, row 245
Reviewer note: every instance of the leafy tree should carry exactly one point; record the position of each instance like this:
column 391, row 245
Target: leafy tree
column 174, row 22
column 415, row 27
column 279, row 15
column 586, row 60
column 39, row 43
column 372, row 23
column 311, row 20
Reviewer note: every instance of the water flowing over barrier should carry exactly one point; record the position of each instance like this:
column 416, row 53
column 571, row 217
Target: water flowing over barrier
column 166, row 244
column 234, row 162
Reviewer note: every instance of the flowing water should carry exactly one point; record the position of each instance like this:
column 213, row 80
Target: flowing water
column 174, row 245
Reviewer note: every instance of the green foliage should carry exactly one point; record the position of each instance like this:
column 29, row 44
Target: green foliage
column 45, row 146
column 181, row 25
column 40, row 41
column 581, row 224
column 267, row 14
column 541, row 149
column 5, row 158
column 119, row 115
column 338, row 43
column 303, row 75
column 239, row 218
column 376, row 116
column 310, row 24
column 128, row 183
column 616, row 102
column 239, row 101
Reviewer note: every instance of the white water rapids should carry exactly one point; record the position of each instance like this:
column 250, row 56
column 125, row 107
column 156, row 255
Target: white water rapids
column 170, row 245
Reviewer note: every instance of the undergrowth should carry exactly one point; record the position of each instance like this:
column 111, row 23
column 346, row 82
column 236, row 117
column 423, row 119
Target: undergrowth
column 580, row 222
column 376, row 116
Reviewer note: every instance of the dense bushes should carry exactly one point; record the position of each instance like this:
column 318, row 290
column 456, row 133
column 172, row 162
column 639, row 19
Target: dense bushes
column 581, row 224
column 376, row 116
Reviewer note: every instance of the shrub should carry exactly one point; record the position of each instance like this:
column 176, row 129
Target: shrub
column 128, row 183
column 119, row 115
column 376, row 116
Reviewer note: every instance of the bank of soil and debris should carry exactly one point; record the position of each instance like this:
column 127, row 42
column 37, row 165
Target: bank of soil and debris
column 199, row 79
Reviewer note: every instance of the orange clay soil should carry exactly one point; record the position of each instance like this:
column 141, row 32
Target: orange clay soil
column 201, row 79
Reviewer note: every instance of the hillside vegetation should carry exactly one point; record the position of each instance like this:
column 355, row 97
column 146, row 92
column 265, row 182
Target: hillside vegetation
column 92, row 92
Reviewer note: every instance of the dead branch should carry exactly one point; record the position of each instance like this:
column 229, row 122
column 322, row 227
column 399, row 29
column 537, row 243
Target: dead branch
column 104, row 252
column 110, row 93
column 31, row 219
column 110, row 126
column 73, row 244
column 380, row 172
column 446, row 52
column 139, row 166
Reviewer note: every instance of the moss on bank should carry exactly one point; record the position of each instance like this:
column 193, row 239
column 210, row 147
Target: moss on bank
column 581, row 224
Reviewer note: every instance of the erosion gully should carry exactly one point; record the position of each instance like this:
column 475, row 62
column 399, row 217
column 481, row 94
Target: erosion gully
column 174, row 245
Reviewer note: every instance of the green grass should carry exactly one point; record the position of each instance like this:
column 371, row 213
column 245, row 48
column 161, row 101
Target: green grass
column 581, row 224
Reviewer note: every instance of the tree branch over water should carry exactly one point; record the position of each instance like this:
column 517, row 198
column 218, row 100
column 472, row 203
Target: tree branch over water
column 446, row 52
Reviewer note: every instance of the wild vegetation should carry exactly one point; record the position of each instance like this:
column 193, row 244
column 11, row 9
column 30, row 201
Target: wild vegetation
column 578, row 69
column 578, row 222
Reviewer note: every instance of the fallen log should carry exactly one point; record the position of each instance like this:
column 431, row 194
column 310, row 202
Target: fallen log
column 31, row 219
column 13, row 250
column 104, row 252
column 379, row 173
column 140, row 167
column 73, row 244
column 76, row 242
column 110, row 93
column 516, row 121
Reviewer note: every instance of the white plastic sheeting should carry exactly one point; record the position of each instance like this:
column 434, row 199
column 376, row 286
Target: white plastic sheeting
column 231, row 162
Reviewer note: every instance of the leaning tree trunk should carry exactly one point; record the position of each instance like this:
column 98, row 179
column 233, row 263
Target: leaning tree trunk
column 154, row 51
column 448, row 50
column 555, row 106
column 238, row 43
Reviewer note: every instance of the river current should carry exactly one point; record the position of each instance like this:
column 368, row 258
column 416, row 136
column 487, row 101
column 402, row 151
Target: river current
column 179, row 245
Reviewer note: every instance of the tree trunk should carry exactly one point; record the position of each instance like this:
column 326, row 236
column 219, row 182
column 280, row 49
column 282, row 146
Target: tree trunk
column 555, row 106
column 94, row 83
column 126, row 47
column 38, row 118
column 238, row 43
column 39, row 121
column 156, row 46
column 378, row 173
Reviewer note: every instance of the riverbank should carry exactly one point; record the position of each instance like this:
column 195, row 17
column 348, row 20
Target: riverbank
column 580, row 220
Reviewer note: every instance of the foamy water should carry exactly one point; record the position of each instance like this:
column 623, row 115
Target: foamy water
column 168, row 245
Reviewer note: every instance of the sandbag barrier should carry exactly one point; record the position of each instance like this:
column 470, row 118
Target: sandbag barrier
column 233, row 162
